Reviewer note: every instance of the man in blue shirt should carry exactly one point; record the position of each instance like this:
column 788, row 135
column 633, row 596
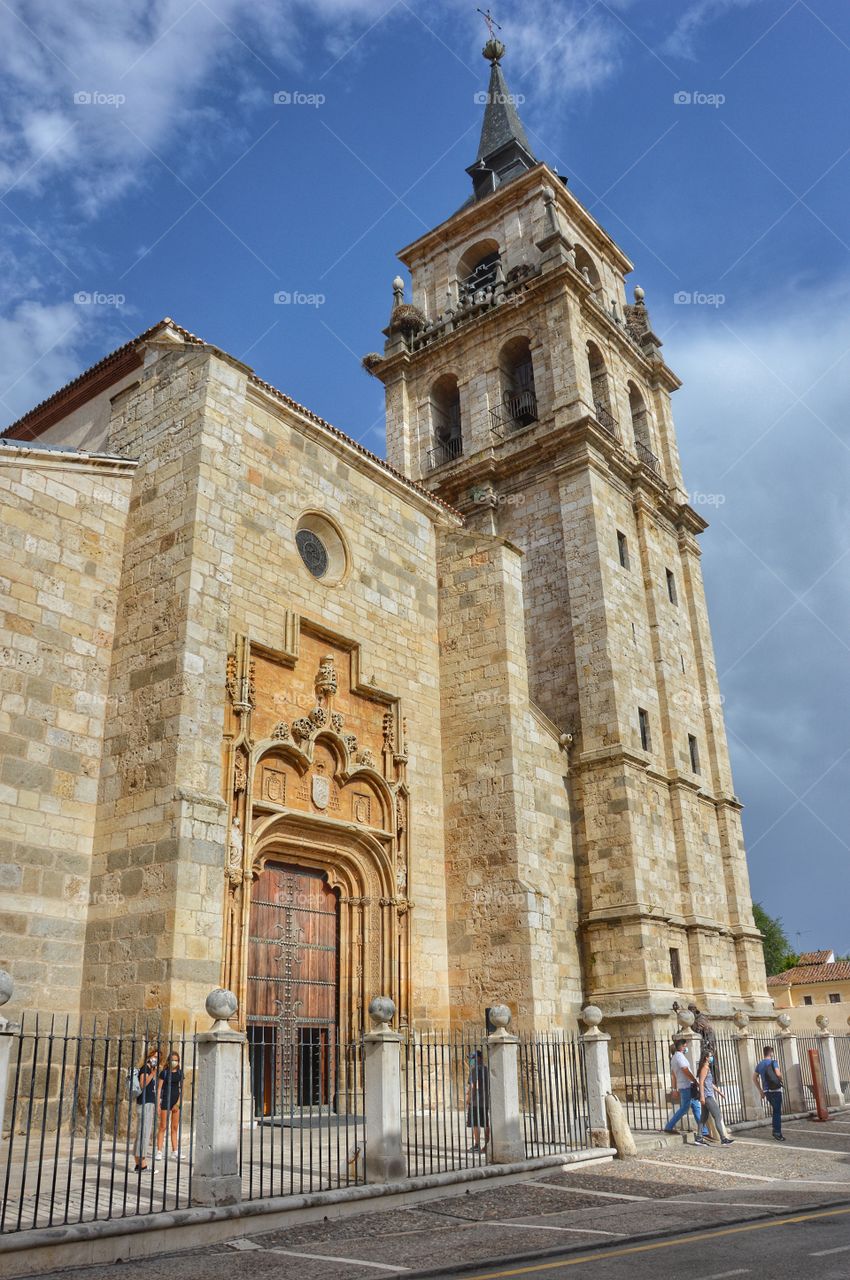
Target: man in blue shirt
column 768, row 1079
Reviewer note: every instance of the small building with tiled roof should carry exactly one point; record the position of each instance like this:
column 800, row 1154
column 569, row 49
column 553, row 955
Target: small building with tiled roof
column 817, row 981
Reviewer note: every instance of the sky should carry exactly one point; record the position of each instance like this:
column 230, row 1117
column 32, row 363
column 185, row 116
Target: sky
column 198, row 158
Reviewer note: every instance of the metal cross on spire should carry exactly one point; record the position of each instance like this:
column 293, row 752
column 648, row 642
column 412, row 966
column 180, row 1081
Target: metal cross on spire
column 491, row 22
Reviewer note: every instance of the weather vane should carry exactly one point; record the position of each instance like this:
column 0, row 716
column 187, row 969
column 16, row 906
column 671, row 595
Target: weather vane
column 491, row 22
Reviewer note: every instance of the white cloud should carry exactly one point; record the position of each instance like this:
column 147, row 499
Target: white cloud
column 41, row 348
column 682, row 39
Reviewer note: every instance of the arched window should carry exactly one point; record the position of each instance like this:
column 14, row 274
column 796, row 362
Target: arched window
column 587, row 267
column 516, row 377
column 445, row 421
column 600, row 389
column 478, row 268
column 641, row 428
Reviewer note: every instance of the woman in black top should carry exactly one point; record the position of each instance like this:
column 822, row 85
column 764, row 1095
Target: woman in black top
column 146, row 1103
column 170, row 1100
column 478, row 1101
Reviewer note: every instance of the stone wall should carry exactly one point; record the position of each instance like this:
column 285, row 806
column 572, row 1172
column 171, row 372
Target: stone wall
column 61, row 535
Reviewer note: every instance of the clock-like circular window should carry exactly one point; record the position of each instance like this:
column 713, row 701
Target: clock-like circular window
column 313, row 552
column 321, row 547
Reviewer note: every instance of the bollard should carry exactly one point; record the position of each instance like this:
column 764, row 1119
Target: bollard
column 215, row 1178
column 507, row 1142
column 385, row 1159
column 597, row 1067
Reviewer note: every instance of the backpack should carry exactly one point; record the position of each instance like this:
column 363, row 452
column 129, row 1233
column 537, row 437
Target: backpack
column 771, row 1079
column 134, row 1089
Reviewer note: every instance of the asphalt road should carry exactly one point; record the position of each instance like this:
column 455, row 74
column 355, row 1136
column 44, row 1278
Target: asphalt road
column 797, row 1247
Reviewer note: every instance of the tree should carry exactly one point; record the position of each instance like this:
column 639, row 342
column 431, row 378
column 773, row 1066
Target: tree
column 778, row 955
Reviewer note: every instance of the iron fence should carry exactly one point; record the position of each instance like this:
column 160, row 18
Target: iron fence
column 301, row 1104
column 727, row 1075
column 842, row 1053
column 445, row 1101
column 553, row 1094
column 76, row 1132
column 641, row 1078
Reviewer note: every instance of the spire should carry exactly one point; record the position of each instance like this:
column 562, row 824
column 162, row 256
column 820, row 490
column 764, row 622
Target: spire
column 504, row 151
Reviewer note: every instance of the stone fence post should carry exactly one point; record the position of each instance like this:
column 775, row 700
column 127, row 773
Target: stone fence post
column 507, row 1142
column 216, row 1177
column 829, row 1058
column 746, row 1050
column 385, row 1158
column 598, row 1072
column 789, row 1057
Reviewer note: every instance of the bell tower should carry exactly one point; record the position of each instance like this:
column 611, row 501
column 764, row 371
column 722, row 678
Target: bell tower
column 524, row 389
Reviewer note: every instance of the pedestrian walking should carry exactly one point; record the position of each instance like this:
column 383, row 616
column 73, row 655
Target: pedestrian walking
column 709, row 1092
column 684, row 1084
column 478, row 1100
column 170, row 1102
column 768, row 1079
column 146, row 1104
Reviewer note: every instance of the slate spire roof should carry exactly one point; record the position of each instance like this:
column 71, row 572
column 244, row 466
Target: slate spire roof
column 504, row 151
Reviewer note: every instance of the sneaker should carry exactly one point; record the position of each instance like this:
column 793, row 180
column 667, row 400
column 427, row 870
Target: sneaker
column 700, row 1142
column 157, row 1155
column 779, row 1137
column 726, row 1142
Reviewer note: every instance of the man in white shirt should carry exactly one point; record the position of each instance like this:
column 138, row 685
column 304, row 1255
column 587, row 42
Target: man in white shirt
column 684, row 1084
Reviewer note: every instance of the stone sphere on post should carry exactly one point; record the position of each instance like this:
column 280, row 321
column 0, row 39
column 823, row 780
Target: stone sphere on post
column 7, row 986
column 221, row 1005
column 823, row 1021
column 741, row 1019
column 685, row 1018
column 784, row 1020
column 381, row 1011
column 591, row 1016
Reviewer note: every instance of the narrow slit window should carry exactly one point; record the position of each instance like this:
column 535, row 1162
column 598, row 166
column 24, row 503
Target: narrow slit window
column 643, row 723
column 671, row 586
column 623, row 549
column 693, row 751
column 675, row 967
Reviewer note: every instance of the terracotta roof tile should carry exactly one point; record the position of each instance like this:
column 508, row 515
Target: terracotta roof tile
column 801, row 974
column 815, row 957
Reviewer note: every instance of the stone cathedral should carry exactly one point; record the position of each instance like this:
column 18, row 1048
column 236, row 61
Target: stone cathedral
column 284, row 716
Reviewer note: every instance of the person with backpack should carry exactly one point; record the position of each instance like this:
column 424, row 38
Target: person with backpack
column 709, row 1092
column 768, row 1080
column 146, row 1104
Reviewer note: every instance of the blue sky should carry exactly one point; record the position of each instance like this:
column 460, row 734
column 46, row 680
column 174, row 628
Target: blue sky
column 176, row 183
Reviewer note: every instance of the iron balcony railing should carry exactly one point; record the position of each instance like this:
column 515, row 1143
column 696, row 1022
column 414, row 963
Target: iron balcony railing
column 647, row 457
column 446, row 451
column 606, row 419
column 519, row 409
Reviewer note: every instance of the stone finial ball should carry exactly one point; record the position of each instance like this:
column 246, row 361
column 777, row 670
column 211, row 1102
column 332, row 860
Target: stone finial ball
column 784, row 1020
column 398, row 283
column 823, row 1021
column 639, row 294
column 741, row 1019
column 500, row 1015
column 7, row 986
column 493, row 50
column 381, row 1010
column 221, row 1004
column 591, row 1015
column 685, row 1018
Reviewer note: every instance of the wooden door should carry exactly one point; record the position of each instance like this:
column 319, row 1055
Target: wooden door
column 293, row 966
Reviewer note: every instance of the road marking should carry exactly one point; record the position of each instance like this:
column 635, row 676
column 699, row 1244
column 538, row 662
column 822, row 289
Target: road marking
column 583, row 1191
column 722, row 1275
column 726, row 1204
column 534, row 1226
column 710, row 1168
column 326, row 1257
column 687, row 1241
column 821, row 1253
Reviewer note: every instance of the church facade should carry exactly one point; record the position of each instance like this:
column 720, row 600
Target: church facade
column 283, row 716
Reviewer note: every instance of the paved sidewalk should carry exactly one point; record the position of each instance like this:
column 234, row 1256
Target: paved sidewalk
column 681, row 1188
